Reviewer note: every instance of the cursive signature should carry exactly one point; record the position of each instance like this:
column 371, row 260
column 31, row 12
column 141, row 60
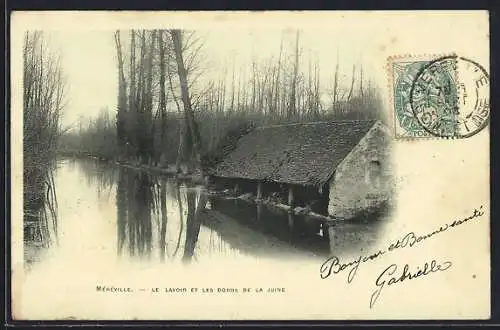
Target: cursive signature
column 333, row 266
column 389, row 276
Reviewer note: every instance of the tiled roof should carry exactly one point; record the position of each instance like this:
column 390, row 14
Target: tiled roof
column 305, row 154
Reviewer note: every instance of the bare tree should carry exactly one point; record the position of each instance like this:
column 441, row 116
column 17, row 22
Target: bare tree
column 254, row 82
column 232, row 90
column 277, row 83
column 44, row 91
column 182, row 123
column 336, row 86
column 132, row 104
column 163, row 101
column 293, row 96
column 188, row 111
column 352, row 82
column 361, row 92
column 121, row 114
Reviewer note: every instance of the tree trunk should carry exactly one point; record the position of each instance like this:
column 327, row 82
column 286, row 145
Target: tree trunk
column 140, row 101
column 335, row 88
column 163, row 103
column 132, row 106
column 293, row 106
column 352, row 83
column 149, row 143
column 232, row 91
column 277, row 83
column 253, row 85
column 180, row 146
column 122, row 99
column 361, row 92
column 188, row 111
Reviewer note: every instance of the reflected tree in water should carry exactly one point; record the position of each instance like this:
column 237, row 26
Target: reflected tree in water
column 121, row 208
column 142, row 214
column 106, row 178
column 193, row 222
column 40, row 213
column 98, row 173
column 191, row 226
column 164, row 218
column 131, row 212
column 140, row 217
column 135, row 203
column 181, row 216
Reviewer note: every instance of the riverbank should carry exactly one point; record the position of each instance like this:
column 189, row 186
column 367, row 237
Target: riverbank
column 195, row 178
column 168, row 170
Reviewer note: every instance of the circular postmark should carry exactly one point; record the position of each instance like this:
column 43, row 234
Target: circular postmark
column 449, row 97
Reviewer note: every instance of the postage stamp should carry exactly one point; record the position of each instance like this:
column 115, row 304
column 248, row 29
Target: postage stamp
column 441, row 96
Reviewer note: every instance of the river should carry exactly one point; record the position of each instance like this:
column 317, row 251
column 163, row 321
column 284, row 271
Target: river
column 108, row 212
column 110, row 226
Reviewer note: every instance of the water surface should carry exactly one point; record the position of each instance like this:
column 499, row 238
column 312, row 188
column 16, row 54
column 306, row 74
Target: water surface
column 108, row 212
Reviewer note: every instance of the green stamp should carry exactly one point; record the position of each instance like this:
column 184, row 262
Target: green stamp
column 445, row 97
column 404, row 74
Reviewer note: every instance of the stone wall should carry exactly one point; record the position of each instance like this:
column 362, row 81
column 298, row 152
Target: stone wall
column 364, row 178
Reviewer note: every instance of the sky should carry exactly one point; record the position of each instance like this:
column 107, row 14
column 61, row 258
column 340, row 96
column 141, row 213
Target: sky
column 86, row 44
column 89, row 60
column 89, row 65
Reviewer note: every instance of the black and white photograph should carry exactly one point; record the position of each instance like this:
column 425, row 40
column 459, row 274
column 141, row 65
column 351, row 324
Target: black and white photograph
column 285, row 165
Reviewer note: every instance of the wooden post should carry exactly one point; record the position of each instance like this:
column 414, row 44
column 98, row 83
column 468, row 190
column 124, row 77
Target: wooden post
column 324, row 228
column 259, row 190
column 291, row 201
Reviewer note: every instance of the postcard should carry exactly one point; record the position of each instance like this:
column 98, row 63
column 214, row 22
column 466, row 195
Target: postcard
column 250, row 165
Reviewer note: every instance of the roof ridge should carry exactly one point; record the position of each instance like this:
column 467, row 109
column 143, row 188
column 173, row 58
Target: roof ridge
column 318, row 122
column 298, row 153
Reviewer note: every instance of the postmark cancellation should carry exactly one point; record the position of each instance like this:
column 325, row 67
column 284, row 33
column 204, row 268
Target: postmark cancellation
column 438, row 96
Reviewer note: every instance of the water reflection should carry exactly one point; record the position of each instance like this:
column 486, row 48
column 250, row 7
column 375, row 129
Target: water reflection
column 114, row 212
column 192, row 226
column 143, row 216
column 164, row 218
column 302, row 232
column 181, row 216
column 39, row 212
